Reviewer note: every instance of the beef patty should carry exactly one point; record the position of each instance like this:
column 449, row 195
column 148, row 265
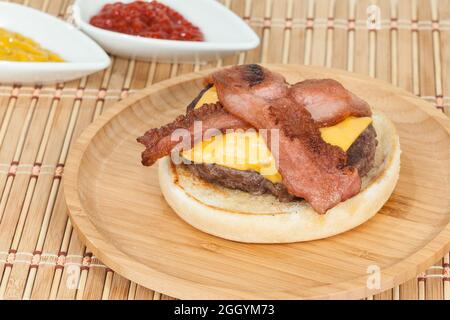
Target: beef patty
column 361, row 155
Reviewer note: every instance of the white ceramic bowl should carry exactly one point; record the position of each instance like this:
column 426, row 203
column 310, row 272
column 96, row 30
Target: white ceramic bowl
column 225, row 33
column 83, row 55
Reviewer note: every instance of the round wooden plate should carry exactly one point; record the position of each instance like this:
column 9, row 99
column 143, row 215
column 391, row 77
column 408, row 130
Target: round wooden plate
column 116, row 205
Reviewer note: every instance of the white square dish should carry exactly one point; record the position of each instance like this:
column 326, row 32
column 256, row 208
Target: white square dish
column 82, row 55
column 225, row 33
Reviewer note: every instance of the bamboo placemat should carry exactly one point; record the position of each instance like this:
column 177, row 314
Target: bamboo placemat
column 42, row 258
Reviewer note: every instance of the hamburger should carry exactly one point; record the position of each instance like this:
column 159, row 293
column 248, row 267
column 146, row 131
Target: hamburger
column 255, row 159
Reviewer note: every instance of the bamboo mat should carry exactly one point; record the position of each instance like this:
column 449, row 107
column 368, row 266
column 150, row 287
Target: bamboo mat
column 42, row 258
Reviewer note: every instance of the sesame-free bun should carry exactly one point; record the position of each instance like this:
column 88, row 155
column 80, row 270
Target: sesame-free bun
column 241, row 216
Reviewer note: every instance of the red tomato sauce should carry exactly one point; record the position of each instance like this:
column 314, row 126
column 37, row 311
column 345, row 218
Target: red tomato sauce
column 146, row 19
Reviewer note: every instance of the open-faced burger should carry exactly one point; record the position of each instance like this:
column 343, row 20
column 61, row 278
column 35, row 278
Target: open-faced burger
column 255, row 159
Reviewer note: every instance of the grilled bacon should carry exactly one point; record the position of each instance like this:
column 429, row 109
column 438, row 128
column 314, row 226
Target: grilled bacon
column 159, row 142
column 311, row 168
column 328, row 101
column 253, row 97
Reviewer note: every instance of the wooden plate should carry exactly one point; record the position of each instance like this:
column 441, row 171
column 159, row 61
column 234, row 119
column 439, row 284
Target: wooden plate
column 117, row 207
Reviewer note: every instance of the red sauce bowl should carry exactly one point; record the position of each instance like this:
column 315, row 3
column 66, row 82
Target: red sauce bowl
column 179, row 31
column 146, row 19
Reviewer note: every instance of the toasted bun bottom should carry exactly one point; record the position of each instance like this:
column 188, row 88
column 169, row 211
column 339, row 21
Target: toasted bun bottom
column 240, row 216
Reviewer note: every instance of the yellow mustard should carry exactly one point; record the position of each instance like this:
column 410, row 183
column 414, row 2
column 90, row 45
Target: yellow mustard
column 15, row 47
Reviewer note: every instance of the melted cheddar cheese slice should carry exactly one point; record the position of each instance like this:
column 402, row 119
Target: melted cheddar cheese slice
column 210, row 96
column 345, row 132
column 247, row 150
column 241, row 150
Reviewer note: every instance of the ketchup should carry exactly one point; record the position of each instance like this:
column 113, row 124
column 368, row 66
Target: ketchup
column 146, row 19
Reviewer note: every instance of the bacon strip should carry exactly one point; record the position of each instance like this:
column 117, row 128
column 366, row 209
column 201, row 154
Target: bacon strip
column 328, row 101
column 311, row 168
column 251, row 96
column 159, row 142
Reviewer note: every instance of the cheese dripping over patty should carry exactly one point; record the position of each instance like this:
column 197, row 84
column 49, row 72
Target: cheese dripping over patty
column 247, row 150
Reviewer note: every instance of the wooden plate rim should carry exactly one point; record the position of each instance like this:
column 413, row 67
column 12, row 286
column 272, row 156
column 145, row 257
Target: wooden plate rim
column 393, row 275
